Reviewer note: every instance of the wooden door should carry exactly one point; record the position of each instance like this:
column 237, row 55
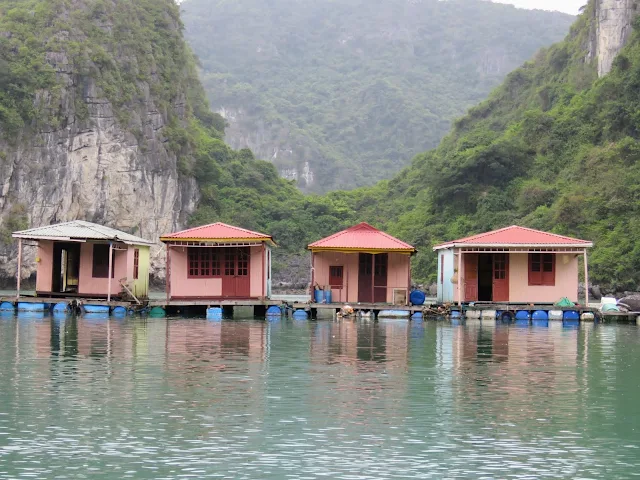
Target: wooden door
column 500, row 277
column 381, row 263
column 365, row 278
column 470, row 277
column 236, row 281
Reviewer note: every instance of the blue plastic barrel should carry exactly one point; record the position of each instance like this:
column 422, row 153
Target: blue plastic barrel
column 523, row 315
column 300, row 315
column 6, row 307
column 214, row 313
column 61, row 308
column 417, row 316
column 318, row 295
column 119, row 311
column 327, row 296
column 95, row 308
column 274, row 310
column 455, row 314
column 571, row 315
column 31, row 307
column 417, row 297
column 540, row 315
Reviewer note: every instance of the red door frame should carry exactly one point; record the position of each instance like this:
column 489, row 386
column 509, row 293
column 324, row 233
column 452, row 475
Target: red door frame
column 236, row 273
column 500, row 277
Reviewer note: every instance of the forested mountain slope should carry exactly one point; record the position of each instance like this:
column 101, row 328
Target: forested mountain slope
column 339, row 94
column 554, row 147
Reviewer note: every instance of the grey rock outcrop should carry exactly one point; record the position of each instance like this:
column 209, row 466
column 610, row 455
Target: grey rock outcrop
column 88, row 165
column 611, row 30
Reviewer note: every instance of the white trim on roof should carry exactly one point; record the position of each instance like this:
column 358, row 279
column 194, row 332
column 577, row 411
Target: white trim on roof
column 512, row 245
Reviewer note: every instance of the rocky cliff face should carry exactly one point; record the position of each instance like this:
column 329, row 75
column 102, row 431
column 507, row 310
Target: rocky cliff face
column 611, row 30
column 88, row 161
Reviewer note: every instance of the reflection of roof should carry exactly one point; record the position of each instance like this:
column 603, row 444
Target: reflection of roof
column 517, row 237
column 361, row 237
column 217, row 232
column 80, row 230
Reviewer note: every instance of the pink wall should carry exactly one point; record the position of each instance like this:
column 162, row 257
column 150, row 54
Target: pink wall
column 566, row 280
column 182, row 286
column 566, row 284
column 397, row 276
column 44, row 271
column 99, row 286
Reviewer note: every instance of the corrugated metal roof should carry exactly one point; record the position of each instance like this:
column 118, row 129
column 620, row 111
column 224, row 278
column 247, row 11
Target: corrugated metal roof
column 80, row 230
column 516, row 236
column 216, row 232
column 362, row 237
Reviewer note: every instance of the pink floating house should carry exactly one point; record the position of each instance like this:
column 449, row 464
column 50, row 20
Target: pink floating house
column 74, row 260
column 362, row 264
column 512, row 264
column 217, row 262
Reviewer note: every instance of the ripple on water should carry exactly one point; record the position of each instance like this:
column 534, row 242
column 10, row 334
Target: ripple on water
column 178, row 398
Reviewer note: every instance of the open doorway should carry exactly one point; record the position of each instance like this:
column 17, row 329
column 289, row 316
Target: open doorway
column 485, row 278
column 66, row 267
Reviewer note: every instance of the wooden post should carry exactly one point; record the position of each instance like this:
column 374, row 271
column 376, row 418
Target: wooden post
column 460, row 277
column 264, row 271
column 167, row 273
column 19, row 274
column 373, row 278
column 109, row 275
column 586, row 280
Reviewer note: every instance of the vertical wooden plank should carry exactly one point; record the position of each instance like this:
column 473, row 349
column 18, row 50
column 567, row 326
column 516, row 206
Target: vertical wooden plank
column 19, row 273
column 109, row 275
column 586, row 279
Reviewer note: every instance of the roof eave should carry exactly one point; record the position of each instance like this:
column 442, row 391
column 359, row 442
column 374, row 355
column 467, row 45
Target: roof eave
column 361, row 249
column 513, row 245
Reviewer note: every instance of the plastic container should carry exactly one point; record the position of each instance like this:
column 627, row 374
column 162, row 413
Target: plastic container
column 61, row 308
column 300, row 314
column 506, row 317
column 555, row 314
column 95, row 308
column 214, row 313
column 587, row 317
column 394, row 314
column 119, row 311
column 157, row 312
column 417, row 316
column 571, row 315
column 523, row 315
column 417, row 297
column 274, row 310
column 488, row 315
column 456, row 314
column 327, row 296
column 31, row 307
column 318, row 295
column 540, row 315
column 6, row 307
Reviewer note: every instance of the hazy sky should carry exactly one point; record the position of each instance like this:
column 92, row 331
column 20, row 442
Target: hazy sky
column 567, row 6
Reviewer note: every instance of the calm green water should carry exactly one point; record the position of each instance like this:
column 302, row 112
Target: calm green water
column 189, row 398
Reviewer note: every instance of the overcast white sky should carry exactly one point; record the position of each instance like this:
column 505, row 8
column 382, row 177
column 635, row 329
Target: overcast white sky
column 567, row 6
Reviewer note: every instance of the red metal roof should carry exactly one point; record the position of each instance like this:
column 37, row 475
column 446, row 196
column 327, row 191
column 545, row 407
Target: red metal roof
column 361, row 237
column 516, row 236
column 216, row 232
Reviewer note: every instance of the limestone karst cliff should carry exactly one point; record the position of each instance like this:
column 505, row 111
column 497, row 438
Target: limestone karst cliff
column 91, row 140
column 611, row 29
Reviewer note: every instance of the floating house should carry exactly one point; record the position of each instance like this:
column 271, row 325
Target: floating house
column 362, row 264
column 512, row 264
column 218, row 261
column 74, row 260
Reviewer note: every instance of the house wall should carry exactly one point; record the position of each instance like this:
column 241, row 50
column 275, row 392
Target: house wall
column 44, row 269
column 182, row 286
column 445, row 285
column 566, row 284
column 397, row 274
column 87, row 285
column 257, row 273
column 140, row 287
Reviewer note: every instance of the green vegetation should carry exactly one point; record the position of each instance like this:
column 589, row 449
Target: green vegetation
column 356, row 88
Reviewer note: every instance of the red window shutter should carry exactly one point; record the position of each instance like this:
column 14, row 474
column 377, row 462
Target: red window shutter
column 136, row 263
column 548, row 269
column 535, row 269
column 336, row 276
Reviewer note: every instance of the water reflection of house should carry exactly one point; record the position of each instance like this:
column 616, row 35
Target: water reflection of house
column 513, row 264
